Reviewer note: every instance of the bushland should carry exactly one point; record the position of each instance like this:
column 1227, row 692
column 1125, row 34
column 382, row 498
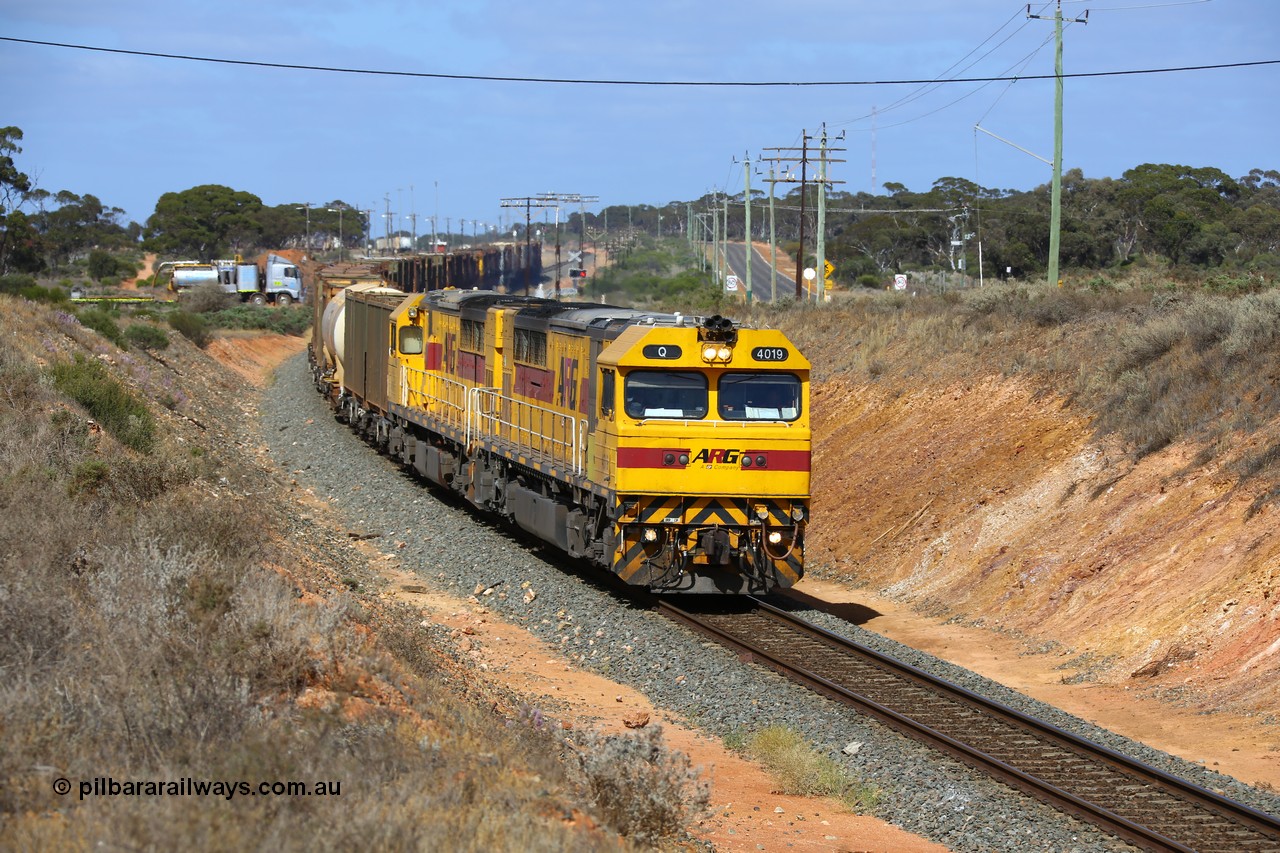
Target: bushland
column 153, row 627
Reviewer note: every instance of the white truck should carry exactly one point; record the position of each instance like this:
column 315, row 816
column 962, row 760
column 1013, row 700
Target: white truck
column 276, row 279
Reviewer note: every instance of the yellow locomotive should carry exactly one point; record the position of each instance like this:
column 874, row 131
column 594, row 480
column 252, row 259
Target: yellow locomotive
column 673, row 451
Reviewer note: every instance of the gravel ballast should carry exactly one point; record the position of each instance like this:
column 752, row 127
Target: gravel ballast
column 456, row 551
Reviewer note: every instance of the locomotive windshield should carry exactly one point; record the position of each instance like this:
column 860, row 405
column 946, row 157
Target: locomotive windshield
column 759, row 397
column 664, row 394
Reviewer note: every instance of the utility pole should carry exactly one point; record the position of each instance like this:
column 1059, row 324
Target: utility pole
column 554, row 200
column 724, row 270
column 715, row 238
column 820, row 281
column 820, row 259
column 1055, row 197
column 306, row 205
column 413, row 208
column 342, row 247
column 804, row 164
column 528, row 203
column 773, row 240
column 387, row 218
column 746, row 218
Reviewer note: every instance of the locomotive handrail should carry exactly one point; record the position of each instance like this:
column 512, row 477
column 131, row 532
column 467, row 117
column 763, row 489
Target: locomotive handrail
column 443, row 397
column 529, row 427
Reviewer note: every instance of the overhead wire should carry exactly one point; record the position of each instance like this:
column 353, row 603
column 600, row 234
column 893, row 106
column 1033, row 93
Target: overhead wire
column 925, row 89
column 492, row 78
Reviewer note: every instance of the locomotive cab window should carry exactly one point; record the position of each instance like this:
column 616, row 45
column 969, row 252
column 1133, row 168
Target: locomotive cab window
column 410, row 340
column 665, row 394
column 759, row 397
column 607, row 390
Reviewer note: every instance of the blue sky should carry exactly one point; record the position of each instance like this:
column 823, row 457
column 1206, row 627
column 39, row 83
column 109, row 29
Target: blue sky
column 129, row 128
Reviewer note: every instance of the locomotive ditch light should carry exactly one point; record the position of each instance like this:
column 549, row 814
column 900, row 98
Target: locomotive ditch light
column 651, row 534
column 684, row 458
column 774, row 537
column 669, row 459
column 746, row 461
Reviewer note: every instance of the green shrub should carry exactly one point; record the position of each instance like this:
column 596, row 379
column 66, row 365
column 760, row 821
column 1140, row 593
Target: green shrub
column 104, row 323
column 108, row 402
column 16, row 282
column 146, row 336
column 205, row 299
column 193, row 327
column 103, row 265
column 88, row 477
column 36, row 293
column 283, row 322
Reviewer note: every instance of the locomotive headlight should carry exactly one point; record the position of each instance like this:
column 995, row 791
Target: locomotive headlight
column 775, row 537
column 709, row 353
column 723, row 353
column 651, row 534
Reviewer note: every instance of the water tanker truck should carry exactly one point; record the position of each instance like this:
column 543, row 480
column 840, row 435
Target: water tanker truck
column 274, row 279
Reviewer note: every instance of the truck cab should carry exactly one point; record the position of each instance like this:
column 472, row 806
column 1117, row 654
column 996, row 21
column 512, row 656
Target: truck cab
column 282, row 281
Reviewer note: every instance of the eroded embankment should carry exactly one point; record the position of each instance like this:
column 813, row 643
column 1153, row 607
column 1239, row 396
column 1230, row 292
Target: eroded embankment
column 991, row 503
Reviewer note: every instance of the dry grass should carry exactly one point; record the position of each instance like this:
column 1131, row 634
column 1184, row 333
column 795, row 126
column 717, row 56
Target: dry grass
column 639, row 788
column 147, row 636
column 1151, row 360
column 802, row 771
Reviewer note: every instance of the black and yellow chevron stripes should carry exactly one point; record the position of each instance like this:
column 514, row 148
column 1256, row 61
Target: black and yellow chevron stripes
column 702, row 511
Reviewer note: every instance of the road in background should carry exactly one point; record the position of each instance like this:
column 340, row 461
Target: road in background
column 761, row 283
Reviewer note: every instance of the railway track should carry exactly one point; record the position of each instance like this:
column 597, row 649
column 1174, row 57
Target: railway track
column 1133, row 801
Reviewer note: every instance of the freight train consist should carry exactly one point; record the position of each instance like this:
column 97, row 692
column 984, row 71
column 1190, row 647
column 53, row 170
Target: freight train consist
column 672, row 451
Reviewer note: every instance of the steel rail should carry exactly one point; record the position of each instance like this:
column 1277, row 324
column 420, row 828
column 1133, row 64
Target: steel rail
column 1027, row 782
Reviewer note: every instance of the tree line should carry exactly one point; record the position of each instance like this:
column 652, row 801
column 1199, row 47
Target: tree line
column 44, row 232
column 1194, row 217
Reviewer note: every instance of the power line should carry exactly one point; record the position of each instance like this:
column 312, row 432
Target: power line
column 488, row 78
column 923, row 90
